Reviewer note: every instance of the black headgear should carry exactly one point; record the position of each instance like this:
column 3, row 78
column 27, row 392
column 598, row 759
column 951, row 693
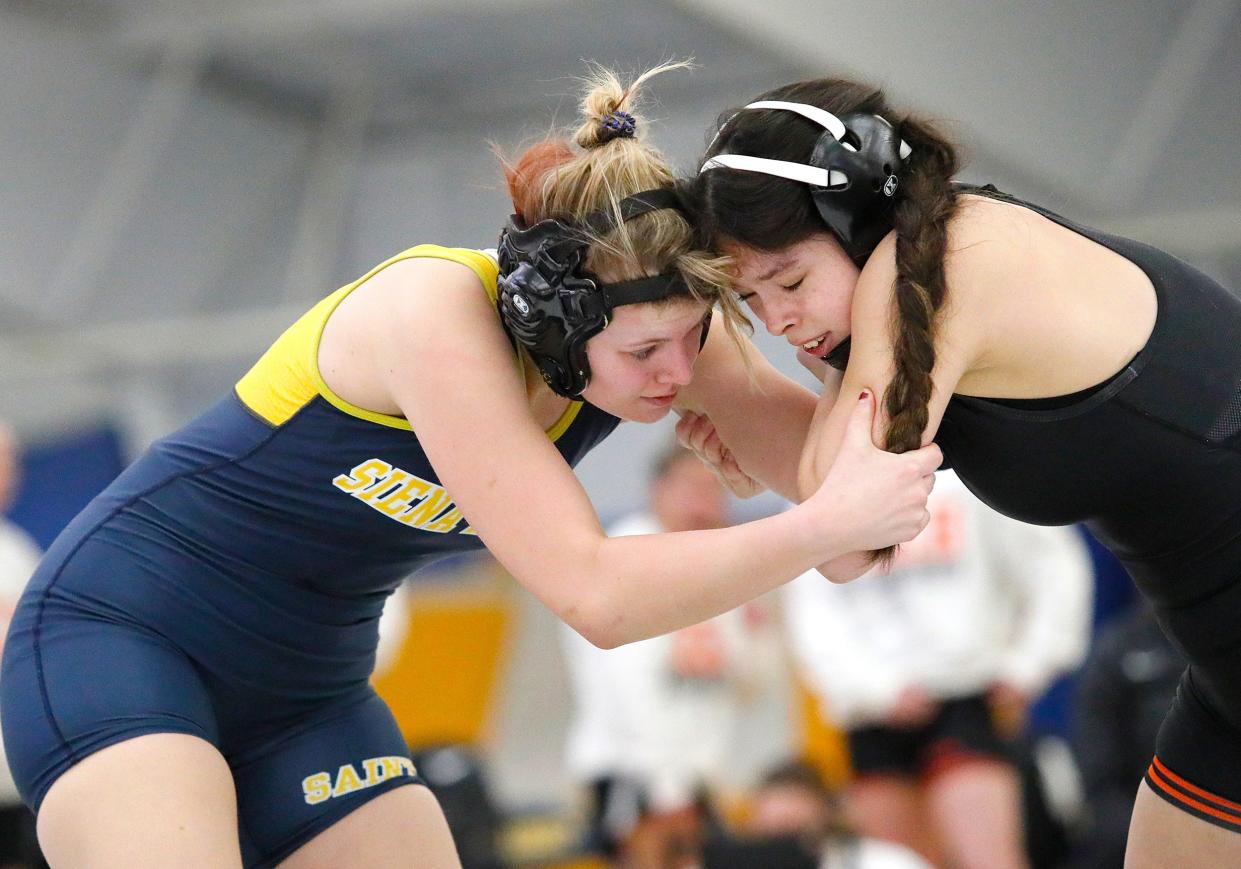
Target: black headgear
column 853, row 173
column 551, row 306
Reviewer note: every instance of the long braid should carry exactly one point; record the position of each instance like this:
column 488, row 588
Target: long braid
column 921, row 219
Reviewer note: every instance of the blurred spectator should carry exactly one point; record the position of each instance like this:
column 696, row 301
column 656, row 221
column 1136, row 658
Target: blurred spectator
column 18, row 557
column 1123, row 694
column 1051, row 795
column 930, row 668
column 796, row 822
column 653, row 720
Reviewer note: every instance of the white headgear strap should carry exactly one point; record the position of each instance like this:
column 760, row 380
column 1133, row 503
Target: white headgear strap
column 785, row 169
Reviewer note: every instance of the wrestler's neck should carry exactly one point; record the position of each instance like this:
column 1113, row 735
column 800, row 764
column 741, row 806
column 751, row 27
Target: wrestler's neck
column 545, row 405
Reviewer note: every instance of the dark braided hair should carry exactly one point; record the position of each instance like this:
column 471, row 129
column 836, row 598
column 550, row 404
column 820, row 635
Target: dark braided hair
column 769, row 213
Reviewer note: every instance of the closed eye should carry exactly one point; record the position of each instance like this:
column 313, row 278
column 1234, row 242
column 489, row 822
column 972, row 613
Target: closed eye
column 644, row 353
column 794, row 285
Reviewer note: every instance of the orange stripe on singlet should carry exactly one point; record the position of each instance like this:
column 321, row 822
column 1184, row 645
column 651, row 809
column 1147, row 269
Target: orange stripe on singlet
column 1158, row 770
column 1193, row 788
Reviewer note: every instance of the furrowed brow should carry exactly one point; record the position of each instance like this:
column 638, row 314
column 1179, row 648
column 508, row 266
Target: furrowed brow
column 780, row 266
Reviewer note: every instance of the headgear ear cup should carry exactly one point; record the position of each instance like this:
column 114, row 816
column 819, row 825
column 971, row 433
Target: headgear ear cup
column 859, row 213
column 551, row 306
column 543, row 305
column 853, row 172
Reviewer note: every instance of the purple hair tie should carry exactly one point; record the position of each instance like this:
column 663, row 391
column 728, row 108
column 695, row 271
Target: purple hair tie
column 617, row 125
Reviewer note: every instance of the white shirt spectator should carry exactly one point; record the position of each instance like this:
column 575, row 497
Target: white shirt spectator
column 976, row 598
column 662, row 711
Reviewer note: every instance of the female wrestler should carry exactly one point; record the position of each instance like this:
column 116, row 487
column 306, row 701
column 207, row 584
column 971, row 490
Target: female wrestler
column 186, row 684
column 1068, row 376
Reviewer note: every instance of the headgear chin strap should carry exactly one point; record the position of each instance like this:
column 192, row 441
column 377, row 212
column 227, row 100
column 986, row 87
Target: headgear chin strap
column 551, row 306
column 853, row 172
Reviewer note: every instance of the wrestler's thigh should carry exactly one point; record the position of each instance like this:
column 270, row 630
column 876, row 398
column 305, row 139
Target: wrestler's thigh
column 401, row 828
column 158, row 800
column 1188, row 809
column 1162, row 835
column 76, row 683
column 309, row 791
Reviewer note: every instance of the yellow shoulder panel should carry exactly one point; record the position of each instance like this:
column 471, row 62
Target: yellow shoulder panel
column 287, row 377
column 283, row 380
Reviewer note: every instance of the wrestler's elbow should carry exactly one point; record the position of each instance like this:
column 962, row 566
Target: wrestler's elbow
column 594, row 619
column 601, row 631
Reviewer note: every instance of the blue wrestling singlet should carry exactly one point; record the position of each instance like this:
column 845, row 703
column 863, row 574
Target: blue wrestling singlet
column 229, row 585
